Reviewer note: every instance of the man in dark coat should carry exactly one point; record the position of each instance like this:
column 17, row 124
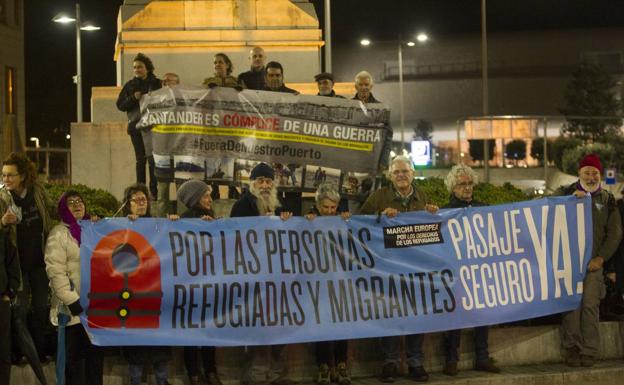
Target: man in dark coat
column 581, row 327
column 261, row 199
column 274, row 79
column 254, row 78
column 325, row 84
column 460, row 182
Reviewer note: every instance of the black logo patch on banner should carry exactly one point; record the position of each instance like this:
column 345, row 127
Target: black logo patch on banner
column 412, row 235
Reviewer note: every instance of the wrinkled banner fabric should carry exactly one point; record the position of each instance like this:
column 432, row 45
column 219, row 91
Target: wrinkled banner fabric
column 261, row 280
column 202, row 127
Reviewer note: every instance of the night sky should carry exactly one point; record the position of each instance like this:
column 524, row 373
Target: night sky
column 51, row 53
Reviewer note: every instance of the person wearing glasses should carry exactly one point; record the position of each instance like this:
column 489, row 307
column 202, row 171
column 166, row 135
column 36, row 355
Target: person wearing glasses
column 24, row 216
column 62, row 256
column 460, row 183
column 401, row 196
column 137, row 205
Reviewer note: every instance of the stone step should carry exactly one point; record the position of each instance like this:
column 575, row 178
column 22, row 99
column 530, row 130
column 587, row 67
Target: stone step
column 515, row 348
column 608, row 372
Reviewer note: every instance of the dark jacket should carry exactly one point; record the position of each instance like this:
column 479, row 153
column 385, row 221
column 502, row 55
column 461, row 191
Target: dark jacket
column 197, row 212
column 388, row 197
column 606, row 221
column 128, row 103
column 332, row 95
column 246, row 207
column 10, row 274
column 455, row 203
column 253, row 80
column 283, row 89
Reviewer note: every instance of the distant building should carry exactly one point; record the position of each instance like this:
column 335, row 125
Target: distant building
column 12, row 100
column 528, row 73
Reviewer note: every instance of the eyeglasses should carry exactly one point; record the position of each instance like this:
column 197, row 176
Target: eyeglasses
column 465, row 185
column 9, row 176
column 75, row 202
column 139, row 201
column 401, row 172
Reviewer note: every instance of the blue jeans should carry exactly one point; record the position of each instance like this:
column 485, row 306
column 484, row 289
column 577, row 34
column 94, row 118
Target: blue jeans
column 160, row 371
column 451, row 344
column 390, row 349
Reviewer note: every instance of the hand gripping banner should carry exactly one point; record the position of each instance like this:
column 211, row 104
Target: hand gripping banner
column 198, row 125
column 260, row 281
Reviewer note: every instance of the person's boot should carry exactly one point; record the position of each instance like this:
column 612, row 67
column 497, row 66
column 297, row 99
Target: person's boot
column 212, row 378
column 388, row 372
column 450, row 369
column 587, row 361
column 322, row 377
column 487, row 366
column 194, row 380
column 342, row 374
column 573, row 358
column 418, row 374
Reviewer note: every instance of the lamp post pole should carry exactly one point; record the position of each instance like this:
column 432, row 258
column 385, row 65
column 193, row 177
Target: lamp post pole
column 401, row 97
column 484, row 90
column 328, row 48
column 78, row 68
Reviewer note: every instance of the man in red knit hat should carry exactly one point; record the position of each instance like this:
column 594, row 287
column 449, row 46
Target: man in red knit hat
column 581, row 332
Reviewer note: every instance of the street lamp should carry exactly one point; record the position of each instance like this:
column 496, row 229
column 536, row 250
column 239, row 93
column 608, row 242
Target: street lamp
column 65, row 19
column 421, row 38
column 36, row 140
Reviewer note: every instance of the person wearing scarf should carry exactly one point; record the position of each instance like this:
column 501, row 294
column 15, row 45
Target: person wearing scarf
column 197, row 197
column 62, row 258
column 581, row 328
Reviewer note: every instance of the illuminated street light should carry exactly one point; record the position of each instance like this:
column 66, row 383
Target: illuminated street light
column 36, row 140
column 65, row 19
column 421, row 38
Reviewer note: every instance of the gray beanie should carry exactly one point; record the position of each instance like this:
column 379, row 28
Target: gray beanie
column 191, row 191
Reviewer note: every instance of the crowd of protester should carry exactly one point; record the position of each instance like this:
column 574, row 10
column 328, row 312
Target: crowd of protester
column 36, row 257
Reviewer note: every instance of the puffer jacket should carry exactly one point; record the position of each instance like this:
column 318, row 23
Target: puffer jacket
column 62, row 258
column 128, row 103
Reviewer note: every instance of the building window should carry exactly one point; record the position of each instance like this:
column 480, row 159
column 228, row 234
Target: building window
column 11, row 99
column 3, row 11
column 16, row 12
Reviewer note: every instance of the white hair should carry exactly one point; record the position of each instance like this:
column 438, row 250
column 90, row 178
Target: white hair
column 363, row 75
column 456, row 172
column 266, row 203
column 401, row 158
column 327, row 190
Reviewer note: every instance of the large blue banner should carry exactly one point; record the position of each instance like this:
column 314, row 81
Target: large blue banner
column 261, row 280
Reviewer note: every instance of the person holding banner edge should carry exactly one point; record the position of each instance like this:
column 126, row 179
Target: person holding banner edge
column 327, row 199
column 62, row 257
column 196, row 196
column 401, row 196
column 460, row 182
column 260, row 200
column 137, row 205
column 581, row 327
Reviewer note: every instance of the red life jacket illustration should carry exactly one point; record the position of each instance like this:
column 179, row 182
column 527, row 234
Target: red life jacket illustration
column 126, row 289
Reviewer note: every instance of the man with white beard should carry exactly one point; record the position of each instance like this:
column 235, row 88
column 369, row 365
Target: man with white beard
column 261, row 200
column 581, row 333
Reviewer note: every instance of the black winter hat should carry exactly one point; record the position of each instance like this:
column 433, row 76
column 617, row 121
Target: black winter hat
column 262, row 170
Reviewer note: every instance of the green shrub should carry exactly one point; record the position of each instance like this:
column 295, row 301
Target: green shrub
column 99, row 202
column 560, row 146
column 488, row 193
column 572, row 157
